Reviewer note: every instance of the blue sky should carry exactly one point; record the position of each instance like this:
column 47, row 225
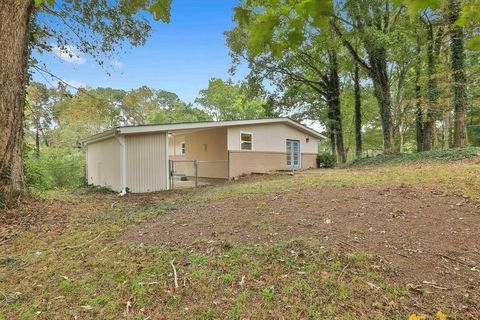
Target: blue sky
column 179, row 57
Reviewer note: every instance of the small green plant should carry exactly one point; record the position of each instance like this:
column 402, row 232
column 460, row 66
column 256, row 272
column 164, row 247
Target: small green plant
column 326, row 160
column 268, row 293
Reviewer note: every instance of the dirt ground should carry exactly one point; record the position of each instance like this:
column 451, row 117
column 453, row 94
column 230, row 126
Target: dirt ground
column 430, row 239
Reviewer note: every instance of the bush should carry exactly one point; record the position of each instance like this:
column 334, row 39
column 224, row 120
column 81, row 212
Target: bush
column 448, row 155
column 326, row 160
column 55, row 168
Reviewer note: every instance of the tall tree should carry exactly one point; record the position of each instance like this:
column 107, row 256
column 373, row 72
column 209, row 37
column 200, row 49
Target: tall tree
column 373, row 22
column 109, row 23
column 14, row 20
column 458, row 74
column 358, row 112
column 289, row 44
column 435, row 34
column 38, row 112
column 225, row 100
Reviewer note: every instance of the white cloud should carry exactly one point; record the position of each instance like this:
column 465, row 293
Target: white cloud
column 69, row 54
column 117, row 64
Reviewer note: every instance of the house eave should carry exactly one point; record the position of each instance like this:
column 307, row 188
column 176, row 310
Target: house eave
column 100, row 136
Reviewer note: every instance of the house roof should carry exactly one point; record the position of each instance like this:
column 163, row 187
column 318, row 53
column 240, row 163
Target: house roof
column 169, row 127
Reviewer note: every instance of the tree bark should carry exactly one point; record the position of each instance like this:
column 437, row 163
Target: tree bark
column 458, row 74
column 431, row 116
column 446, row 130
column 419, row 127
column 331, row 128
column 334, row 100
column 381, row 89
column 14, row 22
column 358, row 113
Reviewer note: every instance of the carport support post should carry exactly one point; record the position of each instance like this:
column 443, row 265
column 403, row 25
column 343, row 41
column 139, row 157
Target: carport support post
column 195, row 164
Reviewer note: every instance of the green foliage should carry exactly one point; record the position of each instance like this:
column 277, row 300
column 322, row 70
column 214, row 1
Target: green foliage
column 263, row 21
column 54, row 169
column 427, row 156
column 326, row 160
column 224, row 100
column 161, row 10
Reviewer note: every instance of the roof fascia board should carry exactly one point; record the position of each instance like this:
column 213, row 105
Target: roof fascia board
column 183, row 126
column 100, row 136
column 206, row 125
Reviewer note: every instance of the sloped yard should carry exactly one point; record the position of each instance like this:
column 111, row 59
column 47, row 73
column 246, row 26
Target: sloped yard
column 376, row 243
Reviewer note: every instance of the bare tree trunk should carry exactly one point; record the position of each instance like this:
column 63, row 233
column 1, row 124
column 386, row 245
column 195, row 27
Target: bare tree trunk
column 458, row 74
column 358, row 113
column 14, row 21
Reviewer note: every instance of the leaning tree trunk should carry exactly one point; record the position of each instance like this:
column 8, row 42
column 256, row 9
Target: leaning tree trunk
column 14, row 20
column 358, row 113
column 458, row 74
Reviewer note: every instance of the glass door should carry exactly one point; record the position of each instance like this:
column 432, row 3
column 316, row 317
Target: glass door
column 293, row 154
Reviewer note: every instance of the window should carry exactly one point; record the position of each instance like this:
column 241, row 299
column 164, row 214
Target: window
column 183, row 148
column 246, row 141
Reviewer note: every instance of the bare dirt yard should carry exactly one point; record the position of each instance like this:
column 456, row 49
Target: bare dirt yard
column 398, row 242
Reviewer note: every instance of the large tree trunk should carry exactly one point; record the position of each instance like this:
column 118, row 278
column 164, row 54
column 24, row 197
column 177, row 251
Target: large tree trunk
column 358, row 113
column 331, row 128
column 14, row 21
column 334, row 98
column 458, row 74
column 381, row 90
column 431, row 116
column 419, row 127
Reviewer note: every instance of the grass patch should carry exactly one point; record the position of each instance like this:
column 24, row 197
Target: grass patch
column 76, row 265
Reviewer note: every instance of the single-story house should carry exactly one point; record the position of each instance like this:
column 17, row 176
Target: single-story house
column 144, row 158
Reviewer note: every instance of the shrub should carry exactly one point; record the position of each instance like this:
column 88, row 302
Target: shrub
column 54, row 168
column 326, row 160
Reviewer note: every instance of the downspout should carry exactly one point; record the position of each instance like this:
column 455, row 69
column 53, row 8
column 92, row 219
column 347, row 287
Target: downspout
column 123, row 162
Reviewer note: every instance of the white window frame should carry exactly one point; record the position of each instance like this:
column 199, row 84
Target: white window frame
column 183, row 148
column 251, row 140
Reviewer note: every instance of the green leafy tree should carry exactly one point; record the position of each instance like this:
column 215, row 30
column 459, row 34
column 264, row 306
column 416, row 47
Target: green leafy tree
column 97, row 28
column 38, row 113
column 289, row 44
column 224, row 100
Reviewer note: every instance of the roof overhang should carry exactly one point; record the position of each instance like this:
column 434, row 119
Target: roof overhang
column 100, row 136
column 143, row 129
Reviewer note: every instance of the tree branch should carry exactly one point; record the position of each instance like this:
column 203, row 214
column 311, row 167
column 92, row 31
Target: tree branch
column 351, row 49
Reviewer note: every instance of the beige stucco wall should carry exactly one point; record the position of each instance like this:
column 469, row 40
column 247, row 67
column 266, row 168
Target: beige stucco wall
column 268, row 148
column 103, row 164
column 146, row 162
column 309, row 160
column 203, row 145
column 271, row 138
column 242, row 162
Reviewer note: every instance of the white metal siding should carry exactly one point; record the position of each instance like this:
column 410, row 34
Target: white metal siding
column 103, row 164
column 147, row 162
